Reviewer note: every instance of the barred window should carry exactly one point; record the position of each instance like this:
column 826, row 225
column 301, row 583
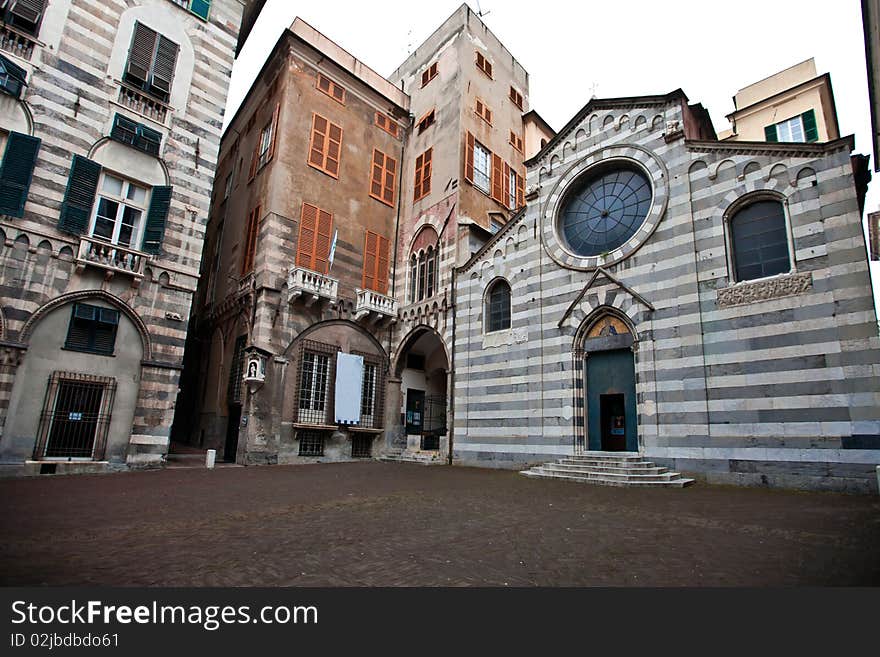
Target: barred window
column 498, row 306
column 311, row 443
column 233, row 391
column 314, row 385
column 368, row 394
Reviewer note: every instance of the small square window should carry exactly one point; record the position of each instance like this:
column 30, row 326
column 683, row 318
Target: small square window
column 92, row 329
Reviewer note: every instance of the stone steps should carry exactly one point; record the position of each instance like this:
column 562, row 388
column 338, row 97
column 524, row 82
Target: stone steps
column 609, row 469
column 403, row 456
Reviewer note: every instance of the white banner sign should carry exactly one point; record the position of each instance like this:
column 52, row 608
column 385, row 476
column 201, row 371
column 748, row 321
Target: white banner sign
column 349, row 379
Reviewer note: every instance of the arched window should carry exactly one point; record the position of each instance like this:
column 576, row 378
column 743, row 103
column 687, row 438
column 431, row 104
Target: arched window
column 423, row 276
column 413, row 264
column 498, row 307
column 759, row 241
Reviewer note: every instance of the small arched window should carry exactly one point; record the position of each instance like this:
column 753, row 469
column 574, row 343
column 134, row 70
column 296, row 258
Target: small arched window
column 423, row 274
column 759, row 240
column 413, row 273
column 498, row 307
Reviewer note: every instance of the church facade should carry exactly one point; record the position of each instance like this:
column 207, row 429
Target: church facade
column 704, row 303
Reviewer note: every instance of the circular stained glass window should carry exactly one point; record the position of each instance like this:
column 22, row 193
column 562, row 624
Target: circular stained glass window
column 605, row 210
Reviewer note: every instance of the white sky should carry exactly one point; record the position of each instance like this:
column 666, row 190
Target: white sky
column 573, row 50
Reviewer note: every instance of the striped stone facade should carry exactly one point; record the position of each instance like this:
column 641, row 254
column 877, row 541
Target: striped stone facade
column 764, row 382
column 74, row 91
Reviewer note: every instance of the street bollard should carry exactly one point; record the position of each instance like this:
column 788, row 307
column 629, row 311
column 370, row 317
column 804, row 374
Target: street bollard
column 210, row 457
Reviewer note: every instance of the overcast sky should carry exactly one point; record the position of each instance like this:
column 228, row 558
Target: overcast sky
column 573, row 50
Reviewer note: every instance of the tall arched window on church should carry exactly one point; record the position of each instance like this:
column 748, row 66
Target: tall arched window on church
column 413, row 273
column 498, row 306
column 759, row 241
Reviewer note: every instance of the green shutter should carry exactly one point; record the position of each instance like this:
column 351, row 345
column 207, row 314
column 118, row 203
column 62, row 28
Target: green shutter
column 200, row 8
column 770, row 133
column 76, row 209
column 154, row 231
column 811, row 132
column 124, row 130
column 16, row 172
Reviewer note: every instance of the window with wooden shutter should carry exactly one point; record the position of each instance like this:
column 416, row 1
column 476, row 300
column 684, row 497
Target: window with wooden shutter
column 516, row 141
column 152, row 59
column 469, row 158
column 811, row 131
column 201, row 8
column 79, row 197
column 426, row 121
column 376, row 262
column 16, row 172
column 136, row 134
column 384, row 173
column 326, row 146
column 250, row 241
column 327, row 86
column 429, row 74
column 484, row 64
column 516, row 98
column 157, row 218
column 313, row 245
column 498, row 179
column 509, row 182
column 12, row 77
column 423, row 175
column 387, row 124
column 483, row 112
column 25, row 15
column 92, row 329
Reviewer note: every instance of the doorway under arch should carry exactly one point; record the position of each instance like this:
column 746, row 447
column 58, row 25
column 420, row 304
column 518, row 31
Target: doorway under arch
column 422, row 367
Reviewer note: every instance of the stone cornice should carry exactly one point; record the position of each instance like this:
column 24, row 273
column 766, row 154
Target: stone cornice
column 772, row 148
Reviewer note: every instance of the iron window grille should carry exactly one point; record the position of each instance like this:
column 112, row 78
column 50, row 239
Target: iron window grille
column 233, row 391
column 372, row 391
column 76, row 417
column 92, row 329
column 311, row 443
column 315, row 394
column 362, row 447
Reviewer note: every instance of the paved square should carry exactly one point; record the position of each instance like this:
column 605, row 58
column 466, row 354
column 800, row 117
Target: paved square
column 373, row 524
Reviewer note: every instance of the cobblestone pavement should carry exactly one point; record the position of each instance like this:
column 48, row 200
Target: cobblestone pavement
column 372, row 524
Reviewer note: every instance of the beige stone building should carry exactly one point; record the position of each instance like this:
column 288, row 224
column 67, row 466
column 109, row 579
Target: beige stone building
column 110, row 117
column 793, row 105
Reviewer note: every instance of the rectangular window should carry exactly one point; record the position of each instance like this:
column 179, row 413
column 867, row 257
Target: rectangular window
column 227, row 188
column 315, row 231
column 387, row 124
column 429, row 74
column 24, row 15
column 426, row 121
column 233, row 388
column 801, row 128
column 250, row 241
column 516, row 141
column 152, row 59
column 423, row 175
column 484, row 64
column 119, row 213
column 76, row 417
column 326, row 146
column 311, row 443
column 136, row 135
column 265, row 148
column 516, row 98
column 495, row 225
column 201, row 8
column 511, row 187
column 382, row 180
column 377, row 251
column 361, row 446
column 335, row 91
column 480, row 158
column 92, row 329
column 483, row 112
column 12, row 77
column 314, row 387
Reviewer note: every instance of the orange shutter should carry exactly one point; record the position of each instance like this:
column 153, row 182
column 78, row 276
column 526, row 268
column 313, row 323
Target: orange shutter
column 305, row 247
column 334, row 147
column 274, row 131
column 426, row 172
column 382, row 265
column 520, row 191
column 469, row 159
column 506, row 184
column 378, row 169
column 417, row 184
column 390, row 177
column 371, row 257
column 250, row 241
column 497, row 179
column 382, row 177
column 322, row 241
column 319, row 134
column 254, row 160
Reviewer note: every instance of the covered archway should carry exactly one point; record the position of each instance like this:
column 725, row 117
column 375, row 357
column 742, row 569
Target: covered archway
column 422, row 367
column 605, row 384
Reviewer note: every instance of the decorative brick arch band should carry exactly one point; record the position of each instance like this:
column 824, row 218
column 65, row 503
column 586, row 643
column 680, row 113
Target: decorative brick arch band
column 84, row 295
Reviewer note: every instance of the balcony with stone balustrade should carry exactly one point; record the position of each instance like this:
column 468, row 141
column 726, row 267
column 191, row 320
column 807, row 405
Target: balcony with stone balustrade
column 375, row 306
column 310, row 286
column 112, row 258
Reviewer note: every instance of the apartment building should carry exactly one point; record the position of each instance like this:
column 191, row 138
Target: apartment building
column 110, row 117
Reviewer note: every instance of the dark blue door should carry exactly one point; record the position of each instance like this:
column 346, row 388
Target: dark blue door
column 612, row 421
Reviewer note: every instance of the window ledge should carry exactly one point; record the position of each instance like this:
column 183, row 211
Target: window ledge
column 764, row 289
